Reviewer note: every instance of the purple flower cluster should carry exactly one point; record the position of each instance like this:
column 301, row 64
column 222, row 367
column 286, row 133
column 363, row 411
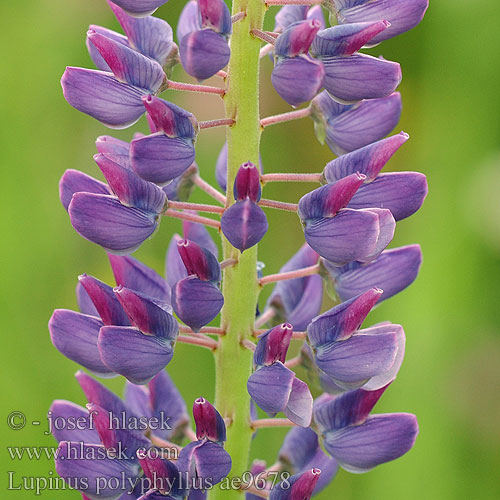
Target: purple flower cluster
column 349, row 220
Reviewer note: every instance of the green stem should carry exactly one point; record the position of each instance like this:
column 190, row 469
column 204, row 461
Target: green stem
column 234, row 362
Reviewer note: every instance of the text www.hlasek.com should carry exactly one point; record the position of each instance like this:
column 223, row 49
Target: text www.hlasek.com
column 79, row 451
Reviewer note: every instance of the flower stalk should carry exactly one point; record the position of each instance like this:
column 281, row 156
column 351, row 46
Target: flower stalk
column 233, row 361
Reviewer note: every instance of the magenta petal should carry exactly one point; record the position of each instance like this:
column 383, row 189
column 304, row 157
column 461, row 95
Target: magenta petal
column 403, row 193
column 104, row 220
column 326, row 201
column 133, row 274
column 344, row 40
column 368, row 160
column 74, row 181
column 340, row 322
column 129, row 188
column 85, row 303
column 136, row 356
column 95, row 55
column 360, row 76
column 127, row 65
column 343, row 410
column 350, row 235
column 75, row 335
column 102, row 96
column 104, row 300
column 198, row 233
column 160, row 159
column 146, row 314
column 381, row 438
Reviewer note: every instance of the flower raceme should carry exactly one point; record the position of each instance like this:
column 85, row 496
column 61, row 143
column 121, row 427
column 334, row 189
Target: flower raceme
column 348, row 218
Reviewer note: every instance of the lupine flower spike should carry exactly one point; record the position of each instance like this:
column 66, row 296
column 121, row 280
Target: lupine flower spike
column 131, row 328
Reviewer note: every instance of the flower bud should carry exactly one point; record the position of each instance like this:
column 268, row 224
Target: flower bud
column 247, row 183
column 209, row 422
column 199, row 261
column 273, row 345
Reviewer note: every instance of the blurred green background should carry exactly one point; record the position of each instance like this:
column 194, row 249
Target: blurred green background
column 450, row 378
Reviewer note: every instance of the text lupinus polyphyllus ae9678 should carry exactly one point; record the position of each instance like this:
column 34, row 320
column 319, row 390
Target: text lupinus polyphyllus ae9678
column 210, row 300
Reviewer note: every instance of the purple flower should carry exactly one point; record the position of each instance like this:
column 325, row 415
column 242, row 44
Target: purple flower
column 353, row 358
column 209, row 422
column 113, row 98
column 273, row 386
column 298, row 487
column 78, row 335
column 244, row 223
column 197, row 299
column 168, row 153
column 297, row 301
column 175, row 269
column 119, row 221
column 139, row 352
column 392, row 272
column 202, row 32
column 148, row 35
column 108, row 469
column 351, row 76
column 403, row 15
column 350, row 127
column 343, row 235
column 206, row 460
column 101, row 459
column 360, row 441
column 346, row 74
column 403, row 193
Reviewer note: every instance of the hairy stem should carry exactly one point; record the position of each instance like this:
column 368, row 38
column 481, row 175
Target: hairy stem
column 233, row 361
